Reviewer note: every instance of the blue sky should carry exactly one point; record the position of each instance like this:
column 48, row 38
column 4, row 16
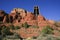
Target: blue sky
column 50, row 9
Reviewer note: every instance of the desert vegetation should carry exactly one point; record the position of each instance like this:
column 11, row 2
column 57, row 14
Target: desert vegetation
column 45, row 34
column 47, row 30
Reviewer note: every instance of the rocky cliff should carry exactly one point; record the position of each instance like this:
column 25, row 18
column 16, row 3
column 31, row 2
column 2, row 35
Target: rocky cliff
column 19, row 16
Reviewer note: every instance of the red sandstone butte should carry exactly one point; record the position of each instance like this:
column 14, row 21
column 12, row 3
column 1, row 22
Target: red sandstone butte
column 19, row 16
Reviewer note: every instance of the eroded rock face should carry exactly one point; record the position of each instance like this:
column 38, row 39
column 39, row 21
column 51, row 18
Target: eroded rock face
column 2, row 15
column 19, row 16
column 19, row 11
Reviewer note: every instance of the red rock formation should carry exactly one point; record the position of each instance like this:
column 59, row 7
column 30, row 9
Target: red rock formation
column 2, row 15
column 19, row 16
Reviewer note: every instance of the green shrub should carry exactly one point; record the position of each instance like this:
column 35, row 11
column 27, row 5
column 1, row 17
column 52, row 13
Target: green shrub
column 6, row 31
column 34, row 37
column 35, row 26
column 48, row 37
column 47, row 30
column 17, row 27
column 25, row 25
column 1, row 22
column 12, row 27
